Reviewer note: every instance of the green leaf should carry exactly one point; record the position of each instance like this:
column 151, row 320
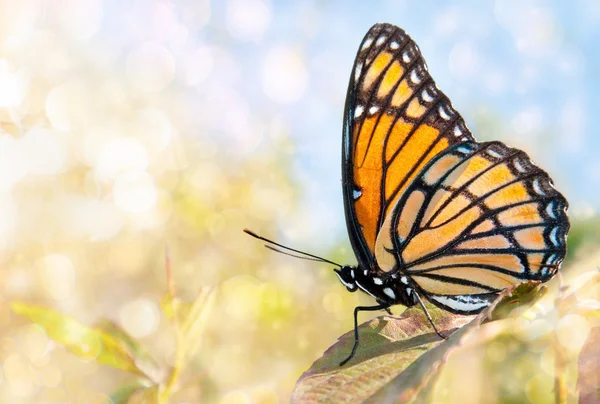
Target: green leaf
column 83, row 341
column 512, row 302
column 144, row 396
column 123, row 394
column 195, row 321
column 143, row 359
column 399, row 358
column 388, row 346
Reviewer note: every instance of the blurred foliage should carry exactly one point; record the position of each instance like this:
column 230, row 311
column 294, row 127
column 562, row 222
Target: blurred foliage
column 109, row 344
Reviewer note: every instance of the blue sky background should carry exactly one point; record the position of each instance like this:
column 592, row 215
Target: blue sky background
column 523, row 72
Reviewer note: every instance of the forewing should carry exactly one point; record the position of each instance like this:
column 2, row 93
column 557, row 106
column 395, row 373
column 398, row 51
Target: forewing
column 396, row 120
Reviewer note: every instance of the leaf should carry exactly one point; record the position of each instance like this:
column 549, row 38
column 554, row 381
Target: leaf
column 144, row 396
column 193, row 325
column 83, row 341
column 143, row 360
column 123, row 394
column 518, row 299
column 388, row 345
column 399, row 358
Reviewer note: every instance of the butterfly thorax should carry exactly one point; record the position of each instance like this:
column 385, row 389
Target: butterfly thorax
column 384, row 287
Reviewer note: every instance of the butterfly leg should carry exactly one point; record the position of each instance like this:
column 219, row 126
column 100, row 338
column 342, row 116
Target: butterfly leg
column 428, row 316
column 382, row 306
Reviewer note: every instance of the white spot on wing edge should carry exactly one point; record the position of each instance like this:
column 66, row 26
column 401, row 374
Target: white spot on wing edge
column 537, row 188
column 457, row 131
column 389, row 292
column 373, row 109
column 358, row 111
column 414, row 77
column 380, row 40
column 394, row 45
column 554, row 237
column 358, row 71
column 550, row 210
column 426, row 96
column 406, row 57
column 464, row 304
column 377, row 281
column 367, row 43
column 357, row 193
column 494, row 153
column 404, row 280
column 519, row 166
column 443, row 113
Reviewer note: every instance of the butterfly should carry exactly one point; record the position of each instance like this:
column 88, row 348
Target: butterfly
column 431, row 213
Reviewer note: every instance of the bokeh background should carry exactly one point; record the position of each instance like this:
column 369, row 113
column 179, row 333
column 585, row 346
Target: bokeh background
column 130, row 127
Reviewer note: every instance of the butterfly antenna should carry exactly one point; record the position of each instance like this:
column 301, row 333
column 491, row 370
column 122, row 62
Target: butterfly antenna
column 302, row 254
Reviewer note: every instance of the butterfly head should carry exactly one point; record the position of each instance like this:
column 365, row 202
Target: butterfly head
column 347, row 275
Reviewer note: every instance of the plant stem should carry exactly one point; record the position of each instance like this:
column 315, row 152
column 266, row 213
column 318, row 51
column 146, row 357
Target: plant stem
column 166, row 392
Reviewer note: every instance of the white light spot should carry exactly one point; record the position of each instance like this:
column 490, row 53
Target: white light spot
column 284, row 75
column 196, row 66
column 139, row 317
column 356, row 194
column 409, row 291
column 404, row 280
column 406, row 57
column 389, row 292
column 247, row 20
column 414, row 77
column 377, row 281
column 358, row 111
column 352, row 273
column 373, row 109
column 394, row 45
column 463, row 60
column 57, row 275
column 45, row 152
column 13, row 85
column 380, row 40
column 365, row 272
column 367, row 43
column 117, row 156
column 528, row 122
column 150, row 67
column 135, row 192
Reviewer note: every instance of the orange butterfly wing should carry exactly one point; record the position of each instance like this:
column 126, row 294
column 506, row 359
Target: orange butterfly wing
column 395, row 121
column 479, row 218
